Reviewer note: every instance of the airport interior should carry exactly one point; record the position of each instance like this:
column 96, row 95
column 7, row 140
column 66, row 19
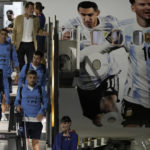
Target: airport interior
column 66, row 51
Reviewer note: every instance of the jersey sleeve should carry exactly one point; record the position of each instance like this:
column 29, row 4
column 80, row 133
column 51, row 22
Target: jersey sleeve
column 16, row 103
column 44, row 102
column 14, row 57
column 22, row 76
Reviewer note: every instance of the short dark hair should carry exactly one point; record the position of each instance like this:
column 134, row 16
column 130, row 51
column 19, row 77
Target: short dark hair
column 32, row 72
column 65, row 119
column 4, row 29
column 28, row 3
column 88, row 4
column 132, row 1
column 9, row 12
column 39, row 53
column 38, row 5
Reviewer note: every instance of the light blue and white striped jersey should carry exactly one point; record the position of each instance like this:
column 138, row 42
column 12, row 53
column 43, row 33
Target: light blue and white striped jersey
column 106, row 25
column 137, row 88
column 89, row 79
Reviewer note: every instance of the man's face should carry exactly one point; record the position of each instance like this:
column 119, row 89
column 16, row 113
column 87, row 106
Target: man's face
column 29, row 10
column 3, row 36
column 65, row 126
column 142, row 9
column 89, row 16
column 31, row 79
column 10, row 17
column 36, row 60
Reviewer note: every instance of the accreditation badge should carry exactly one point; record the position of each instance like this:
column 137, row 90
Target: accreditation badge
column 147, row 37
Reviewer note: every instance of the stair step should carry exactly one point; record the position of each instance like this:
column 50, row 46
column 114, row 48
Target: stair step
column 3, row 145
column 4, row 125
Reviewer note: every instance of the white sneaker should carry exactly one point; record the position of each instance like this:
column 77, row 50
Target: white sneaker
column 4, row 118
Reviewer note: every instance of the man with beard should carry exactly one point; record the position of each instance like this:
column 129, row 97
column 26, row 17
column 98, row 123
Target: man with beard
column 96, row 95
column 136, row 103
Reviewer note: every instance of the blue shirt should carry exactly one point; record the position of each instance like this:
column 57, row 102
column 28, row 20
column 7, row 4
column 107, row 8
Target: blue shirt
column 31, row 101
column 5, row 57
column 41, row 75
column 66, row 143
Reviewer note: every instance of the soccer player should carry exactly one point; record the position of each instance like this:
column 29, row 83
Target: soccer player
column 136, row 104
column 32, row 99
column 89, row 86
column 89, row 19
column 7, row 56
column 34, row 65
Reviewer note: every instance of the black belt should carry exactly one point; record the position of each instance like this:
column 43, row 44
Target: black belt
column 27, row 42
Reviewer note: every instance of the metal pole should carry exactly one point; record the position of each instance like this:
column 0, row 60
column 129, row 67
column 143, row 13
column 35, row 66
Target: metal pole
column 78, row 48
column 56, row 73
column 53, row 90
column 49, row 50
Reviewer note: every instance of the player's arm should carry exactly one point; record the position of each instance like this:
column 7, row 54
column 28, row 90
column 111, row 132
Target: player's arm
column 44, row 101
column 22, row 76
column 17, row 101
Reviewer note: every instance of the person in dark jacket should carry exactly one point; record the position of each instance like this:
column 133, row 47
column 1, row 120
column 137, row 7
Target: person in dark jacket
column 67, row 139
column 38, row 9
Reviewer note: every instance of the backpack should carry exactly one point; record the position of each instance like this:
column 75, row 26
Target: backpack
column 20, row 92
column 27, row 69
column 11, row 51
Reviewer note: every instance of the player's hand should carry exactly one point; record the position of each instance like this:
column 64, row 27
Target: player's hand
column 39, row 117
column 7, row 107
column 44, row 33
column 19, row 108
column 16, row 78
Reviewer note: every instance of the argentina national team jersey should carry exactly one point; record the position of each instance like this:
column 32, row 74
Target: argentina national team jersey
column 106, row 25
column 90, row 78
column 137, row 43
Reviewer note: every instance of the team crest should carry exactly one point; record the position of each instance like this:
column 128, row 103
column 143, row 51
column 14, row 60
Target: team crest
column 105, row 33
column 129, row 112
column 96, row 64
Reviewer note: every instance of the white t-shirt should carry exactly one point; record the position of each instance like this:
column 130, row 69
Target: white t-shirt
column 27, row 30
